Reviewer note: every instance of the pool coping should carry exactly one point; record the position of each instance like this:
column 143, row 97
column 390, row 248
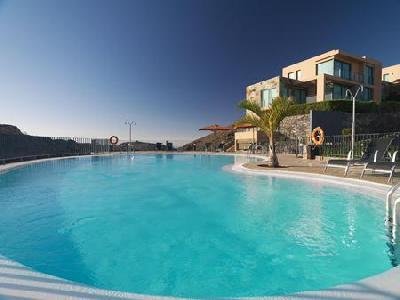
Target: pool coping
column 19, row 281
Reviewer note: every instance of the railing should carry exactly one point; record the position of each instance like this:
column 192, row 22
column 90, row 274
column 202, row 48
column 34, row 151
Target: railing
column 26, row 147
column 336, row 145
column 258, row 149
column 290, row 145
column 340, row 145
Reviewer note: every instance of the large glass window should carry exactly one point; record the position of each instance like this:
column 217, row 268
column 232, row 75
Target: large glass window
column 267, row 96
column 385, row 77
column 299, row 96
column 298, row 75
column 369, row 75
column 292, row 75
column 335, row 92
column 325, row 67
column 368, row 94
column 339, row 92
column 342, row 70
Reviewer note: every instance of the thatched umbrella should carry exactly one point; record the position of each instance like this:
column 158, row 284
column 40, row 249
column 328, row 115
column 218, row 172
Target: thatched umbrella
column 215, row 128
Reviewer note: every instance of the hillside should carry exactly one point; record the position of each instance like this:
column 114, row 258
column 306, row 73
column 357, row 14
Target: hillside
column 211, row 142
column 16, row 145
column 9, row 130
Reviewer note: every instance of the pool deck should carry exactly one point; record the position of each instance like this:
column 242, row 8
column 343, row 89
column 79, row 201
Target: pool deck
column 289, row 162
column 20, row 282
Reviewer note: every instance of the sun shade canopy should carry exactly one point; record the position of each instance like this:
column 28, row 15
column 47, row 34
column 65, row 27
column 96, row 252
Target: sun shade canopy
column 244, row 126
column 216, row 127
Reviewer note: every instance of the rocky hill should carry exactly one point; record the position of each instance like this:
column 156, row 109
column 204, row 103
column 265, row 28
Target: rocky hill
column 9, row 130
column 14, row 145
column 213, row 141
column 143, row 146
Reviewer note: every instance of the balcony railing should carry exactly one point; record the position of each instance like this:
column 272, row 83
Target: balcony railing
column 355, row 76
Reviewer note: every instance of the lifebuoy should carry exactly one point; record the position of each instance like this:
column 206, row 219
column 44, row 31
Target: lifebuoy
column 318, row 136
column 114, row 140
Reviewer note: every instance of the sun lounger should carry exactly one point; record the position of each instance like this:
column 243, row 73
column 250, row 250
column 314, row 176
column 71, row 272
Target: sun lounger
column 386, row 167
column 375, row 152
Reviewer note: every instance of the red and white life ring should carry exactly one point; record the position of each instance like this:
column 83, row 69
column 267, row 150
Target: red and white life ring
column 318, row 136
column 114, row 140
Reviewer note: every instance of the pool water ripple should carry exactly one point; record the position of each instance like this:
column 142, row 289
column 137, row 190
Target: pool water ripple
column 181, row 225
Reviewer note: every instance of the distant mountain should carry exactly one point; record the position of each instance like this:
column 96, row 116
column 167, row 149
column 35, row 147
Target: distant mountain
column 143, row 146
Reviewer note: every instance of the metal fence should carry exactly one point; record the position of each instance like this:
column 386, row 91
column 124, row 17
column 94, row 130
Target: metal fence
column 290, row 145
column 335, row 145
column 340, row 145
column 26, row 147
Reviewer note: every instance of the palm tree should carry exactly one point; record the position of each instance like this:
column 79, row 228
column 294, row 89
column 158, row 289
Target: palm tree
column 267, row 120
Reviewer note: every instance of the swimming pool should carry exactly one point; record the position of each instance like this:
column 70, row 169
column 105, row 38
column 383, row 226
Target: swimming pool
column 181, row 225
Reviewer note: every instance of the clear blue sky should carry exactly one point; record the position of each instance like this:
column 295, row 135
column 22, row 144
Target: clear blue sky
column 81, row 68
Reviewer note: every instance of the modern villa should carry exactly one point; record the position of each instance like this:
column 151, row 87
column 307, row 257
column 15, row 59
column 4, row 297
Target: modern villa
column 391, row 82
column 391, row 73
column 320, row 78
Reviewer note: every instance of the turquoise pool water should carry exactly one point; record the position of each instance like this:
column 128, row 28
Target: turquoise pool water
column 181, row 225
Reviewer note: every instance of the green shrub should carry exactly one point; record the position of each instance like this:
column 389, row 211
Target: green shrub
column 346, row 131
column 345, row 106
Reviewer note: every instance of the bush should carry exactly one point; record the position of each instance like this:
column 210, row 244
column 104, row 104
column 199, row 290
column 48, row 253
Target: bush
column 345, row 106
column 346, row 131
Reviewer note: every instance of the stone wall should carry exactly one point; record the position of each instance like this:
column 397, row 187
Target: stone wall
column 334, row 122
column 295, row 125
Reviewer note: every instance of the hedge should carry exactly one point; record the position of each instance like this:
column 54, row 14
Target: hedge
column 345, row 106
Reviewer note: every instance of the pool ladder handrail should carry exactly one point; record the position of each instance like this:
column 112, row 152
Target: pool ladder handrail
column 393, row 213
column 389, row 202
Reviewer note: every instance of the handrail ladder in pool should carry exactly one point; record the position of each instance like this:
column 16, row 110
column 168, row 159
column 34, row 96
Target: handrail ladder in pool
column 393, row 211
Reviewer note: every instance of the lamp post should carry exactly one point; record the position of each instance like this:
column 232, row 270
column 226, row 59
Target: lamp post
column 353, row 117
column 130, row 123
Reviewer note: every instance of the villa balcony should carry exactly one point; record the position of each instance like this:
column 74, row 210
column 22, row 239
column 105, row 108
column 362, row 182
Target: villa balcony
column 355, row 77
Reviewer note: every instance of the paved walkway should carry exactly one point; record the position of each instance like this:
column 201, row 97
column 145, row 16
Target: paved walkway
column 289, row 162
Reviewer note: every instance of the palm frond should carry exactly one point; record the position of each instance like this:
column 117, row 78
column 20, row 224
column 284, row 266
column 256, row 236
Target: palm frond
column 250, row 119
column 251, row 106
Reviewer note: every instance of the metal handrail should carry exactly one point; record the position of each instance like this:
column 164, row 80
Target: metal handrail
column 389, row 202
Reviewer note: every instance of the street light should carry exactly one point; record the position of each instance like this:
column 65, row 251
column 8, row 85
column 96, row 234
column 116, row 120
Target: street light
column 353, row 118
column 130, row 123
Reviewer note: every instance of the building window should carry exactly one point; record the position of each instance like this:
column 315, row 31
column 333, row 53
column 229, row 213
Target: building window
column 299, row 95
column 368, row 94
column 298, row 74
column 335, row 92
column 369, row 75
column 339, row 92
column 386, row 77
column 325, row 68
column 267, row 96
column 292, row 75
column 342, row 70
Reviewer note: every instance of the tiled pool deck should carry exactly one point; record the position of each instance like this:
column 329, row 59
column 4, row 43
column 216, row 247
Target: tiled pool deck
column 20, row 282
